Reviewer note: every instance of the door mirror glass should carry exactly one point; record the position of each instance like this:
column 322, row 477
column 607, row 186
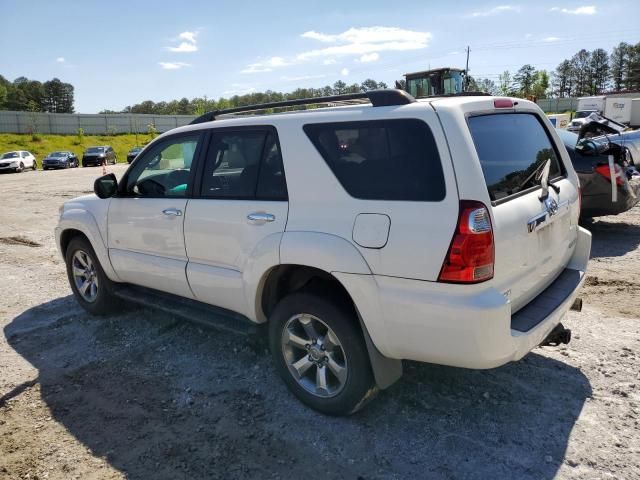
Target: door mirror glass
column 106, row 186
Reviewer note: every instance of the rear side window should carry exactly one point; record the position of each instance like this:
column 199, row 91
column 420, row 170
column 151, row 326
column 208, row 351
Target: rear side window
column 382, row 159
column 513, row 148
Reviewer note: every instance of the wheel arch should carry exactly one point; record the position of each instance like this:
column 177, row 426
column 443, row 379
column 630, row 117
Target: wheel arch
column 80, row 222
column 286, row 279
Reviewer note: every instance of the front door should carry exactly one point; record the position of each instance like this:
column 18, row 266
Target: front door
column 240, row 214
column 146, row 218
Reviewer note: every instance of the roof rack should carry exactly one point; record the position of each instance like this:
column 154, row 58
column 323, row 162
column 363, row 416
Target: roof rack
column 378, row 98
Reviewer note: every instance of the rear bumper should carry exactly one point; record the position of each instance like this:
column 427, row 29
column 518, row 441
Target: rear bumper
column 445, row 324
column 596, row 196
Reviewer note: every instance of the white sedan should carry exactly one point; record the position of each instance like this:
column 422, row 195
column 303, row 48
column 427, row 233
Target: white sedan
column 17, row 161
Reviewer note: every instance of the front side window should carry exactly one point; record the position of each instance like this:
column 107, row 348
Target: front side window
column 244, row 165
column 513, row 149
column 165, row 170
column 382, row 159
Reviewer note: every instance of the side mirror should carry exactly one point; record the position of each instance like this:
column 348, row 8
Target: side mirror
column 106, row 186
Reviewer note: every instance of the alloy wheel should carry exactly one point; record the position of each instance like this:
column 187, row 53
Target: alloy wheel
column 85, row 275
column 314, row 355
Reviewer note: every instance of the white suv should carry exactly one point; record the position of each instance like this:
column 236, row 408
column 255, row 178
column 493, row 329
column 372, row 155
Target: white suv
column 17, row 161
column 442, row 230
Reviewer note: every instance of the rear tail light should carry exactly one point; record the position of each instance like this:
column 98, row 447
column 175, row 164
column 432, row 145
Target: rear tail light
column 606, row 173
column 471, row 256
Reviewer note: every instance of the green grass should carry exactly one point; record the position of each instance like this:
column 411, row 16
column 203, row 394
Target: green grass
column 41, row 145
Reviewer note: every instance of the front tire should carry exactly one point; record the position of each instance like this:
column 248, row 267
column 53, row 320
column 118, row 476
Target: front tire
column 321, row 354
column 20, row 168
column 89, row 284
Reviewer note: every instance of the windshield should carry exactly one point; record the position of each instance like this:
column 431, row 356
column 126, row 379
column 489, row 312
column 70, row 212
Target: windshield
column 136, row 149
column 95, row 150
column 10, row 155
column 58, row 154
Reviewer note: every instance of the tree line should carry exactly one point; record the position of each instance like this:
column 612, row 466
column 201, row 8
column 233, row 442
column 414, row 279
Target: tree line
column 200, row 105
column 27, row 95
column 585, row 73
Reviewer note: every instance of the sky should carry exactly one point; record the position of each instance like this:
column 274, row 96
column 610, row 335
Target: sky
column 118, row 53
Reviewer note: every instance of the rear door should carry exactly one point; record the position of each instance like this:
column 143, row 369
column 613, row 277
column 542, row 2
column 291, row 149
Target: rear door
column 534, row 231
column 239, row 215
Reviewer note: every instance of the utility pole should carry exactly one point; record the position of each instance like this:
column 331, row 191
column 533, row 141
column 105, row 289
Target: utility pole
column 466, row 71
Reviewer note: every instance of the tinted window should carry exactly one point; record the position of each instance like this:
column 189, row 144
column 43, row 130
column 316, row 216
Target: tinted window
column 382, row 159
column 512, row 148
column 244, row 164
column 271, row 180
column 233, row 160
column 164, row 171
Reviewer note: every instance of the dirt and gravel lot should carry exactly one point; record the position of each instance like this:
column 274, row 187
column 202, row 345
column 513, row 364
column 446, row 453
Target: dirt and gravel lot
column 143, row 395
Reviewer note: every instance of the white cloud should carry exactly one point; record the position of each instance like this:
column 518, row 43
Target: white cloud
column 60, row 60
column 369, row 57
column 496, row 11
column 586, row 10
column 188, row 36
column 366, row 40
column 551, row 39
column 344, row 72
column 184, row 47
column 173, row 65
column 265, row 65
column 188, row 43
column 364, row 43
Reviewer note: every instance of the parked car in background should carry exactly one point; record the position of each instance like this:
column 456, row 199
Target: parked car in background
column 133, row 153
column 17, row 161
column 579, row 119
column 62, row 159
column 446, row 232
column 606, row 189
column 95, row 156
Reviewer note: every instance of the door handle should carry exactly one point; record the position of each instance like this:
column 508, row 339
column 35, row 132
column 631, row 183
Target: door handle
column 172, row 212
column 259, row 218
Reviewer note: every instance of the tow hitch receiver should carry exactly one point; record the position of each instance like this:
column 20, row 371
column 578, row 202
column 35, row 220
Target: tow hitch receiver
column 557, row 336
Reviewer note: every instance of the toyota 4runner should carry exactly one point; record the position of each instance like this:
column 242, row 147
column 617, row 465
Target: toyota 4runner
column 439, row 230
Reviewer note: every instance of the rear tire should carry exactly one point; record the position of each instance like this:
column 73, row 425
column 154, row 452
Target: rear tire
column 34, row 167
column 91, row 287
column 330, row 373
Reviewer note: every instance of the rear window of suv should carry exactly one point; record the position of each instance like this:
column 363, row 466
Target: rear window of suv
column 382, row 159
column 513, row 148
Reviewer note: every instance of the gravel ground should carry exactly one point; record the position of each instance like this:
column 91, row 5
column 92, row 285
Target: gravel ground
column 143, row 395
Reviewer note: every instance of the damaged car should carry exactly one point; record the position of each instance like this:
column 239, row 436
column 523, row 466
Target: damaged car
column 609, row 181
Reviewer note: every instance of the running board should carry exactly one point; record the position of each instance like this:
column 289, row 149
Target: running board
column 191, row 310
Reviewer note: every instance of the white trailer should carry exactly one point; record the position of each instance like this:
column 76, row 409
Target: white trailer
column 625, row 110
